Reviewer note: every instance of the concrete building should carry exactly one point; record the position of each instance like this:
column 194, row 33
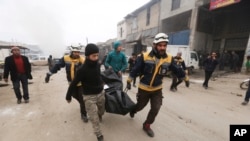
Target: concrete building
column 190, row 22
column 193, row 23
column 141, row 25
column 121, row 31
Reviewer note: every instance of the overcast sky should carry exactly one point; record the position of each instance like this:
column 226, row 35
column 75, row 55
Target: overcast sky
column 53, row 24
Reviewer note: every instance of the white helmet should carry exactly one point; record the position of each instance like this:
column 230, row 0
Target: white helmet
column 160, row 37
column 75, row 47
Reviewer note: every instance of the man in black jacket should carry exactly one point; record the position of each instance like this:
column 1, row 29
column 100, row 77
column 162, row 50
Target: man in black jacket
column 20, row 71
column 209, row 66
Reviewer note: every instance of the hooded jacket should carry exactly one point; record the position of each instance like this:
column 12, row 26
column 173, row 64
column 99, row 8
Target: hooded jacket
column 117, row 60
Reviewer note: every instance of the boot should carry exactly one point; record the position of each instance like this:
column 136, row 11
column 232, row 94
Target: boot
column 100, row 138
column 148, row 130
column 244, row 103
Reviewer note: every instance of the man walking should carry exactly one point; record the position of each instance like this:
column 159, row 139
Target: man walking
column 50, row 62
column 117, row 60
column 20, row 71
column 209, row 66
column 153, row 66
column 131, row 62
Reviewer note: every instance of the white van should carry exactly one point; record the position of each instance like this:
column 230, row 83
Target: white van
column 39, row 60
column 190, row 57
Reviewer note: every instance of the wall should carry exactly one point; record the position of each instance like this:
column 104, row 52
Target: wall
column 121, row 25
column 202, row 42
column 166, row 6
column 154, row 18
column 137, row 22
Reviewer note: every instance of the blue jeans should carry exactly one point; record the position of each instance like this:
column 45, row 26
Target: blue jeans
column 16, row 86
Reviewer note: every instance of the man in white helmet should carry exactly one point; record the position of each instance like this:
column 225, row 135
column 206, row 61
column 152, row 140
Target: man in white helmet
column 152, row 66
column 71, row 63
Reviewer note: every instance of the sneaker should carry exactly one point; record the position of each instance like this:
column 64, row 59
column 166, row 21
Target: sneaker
column 148, row 130
column 84, row 118
column 244, row 103
column 19, row 101
column 132, row 114
column 100, row 138
column 26, row 101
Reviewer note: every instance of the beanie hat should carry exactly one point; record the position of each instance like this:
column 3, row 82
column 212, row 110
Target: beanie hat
column 117, row 44
column 90, row 49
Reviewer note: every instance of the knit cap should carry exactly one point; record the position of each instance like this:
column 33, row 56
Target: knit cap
column 90, row 49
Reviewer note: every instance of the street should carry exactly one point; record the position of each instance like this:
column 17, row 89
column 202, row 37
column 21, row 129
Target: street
column 190, row 114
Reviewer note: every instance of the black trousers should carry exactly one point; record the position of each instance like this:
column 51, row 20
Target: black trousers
column 175, row 81
column 247, row 96
column 155, row 98
column 78, row 95
column 208, row 75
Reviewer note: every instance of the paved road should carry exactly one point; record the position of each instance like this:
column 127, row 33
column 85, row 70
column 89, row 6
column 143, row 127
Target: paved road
column 190, row 114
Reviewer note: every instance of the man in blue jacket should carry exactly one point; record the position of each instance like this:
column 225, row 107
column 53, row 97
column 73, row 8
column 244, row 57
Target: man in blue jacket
column 117, row 59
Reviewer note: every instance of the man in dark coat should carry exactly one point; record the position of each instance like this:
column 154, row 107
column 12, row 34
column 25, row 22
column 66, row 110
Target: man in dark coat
column 209, row 66
column 20, row 71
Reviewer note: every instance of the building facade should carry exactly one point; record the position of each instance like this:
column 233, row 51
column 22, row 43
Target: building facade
column 141, row 26
column 193, row 23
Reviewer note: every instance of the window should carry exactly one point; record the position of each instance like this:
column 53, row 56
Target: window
column 148, row 16
column 175, row 4
column 194, row 56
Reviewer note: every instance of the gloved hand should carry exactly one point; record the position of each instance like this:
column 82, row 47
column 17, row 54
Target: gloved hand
column 47, row 78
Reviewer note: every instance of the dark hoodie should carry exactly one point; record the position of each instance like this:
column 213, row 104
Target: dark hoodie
column 90, row 76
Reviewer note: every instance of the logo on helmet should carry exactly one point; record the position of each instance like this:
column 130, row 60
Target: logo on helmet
column 75, row 48
column 161, row 37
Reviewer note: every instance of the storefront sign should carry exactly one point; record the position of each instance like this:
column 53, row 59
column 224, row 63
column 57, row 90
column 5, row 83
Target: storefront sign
column 214, row 4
